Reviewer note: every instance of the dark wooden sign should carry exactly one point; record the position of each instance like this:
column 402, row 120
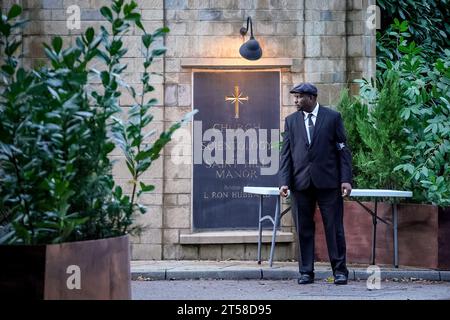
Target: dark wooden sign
column 227, row 102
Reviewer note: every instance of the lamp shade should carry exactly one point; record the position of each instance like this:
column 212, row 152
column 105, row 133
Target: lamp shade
column 251, row 50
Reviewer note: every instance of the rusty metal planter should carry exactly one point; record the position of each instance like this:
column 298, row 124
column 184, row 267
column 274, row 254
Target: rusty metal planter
column 44, row 271
column 423, row 235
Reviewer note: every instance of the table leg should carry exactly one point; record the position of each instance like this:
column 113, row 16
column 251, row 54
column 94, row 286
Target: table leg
column 374, row 232
column 260, row 228
column 395, row 223
column 274, row 233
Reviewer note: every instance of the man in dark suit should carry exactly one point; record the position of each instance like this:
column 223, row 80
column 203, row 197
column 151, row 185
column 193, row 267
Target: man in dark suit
column 316, row 166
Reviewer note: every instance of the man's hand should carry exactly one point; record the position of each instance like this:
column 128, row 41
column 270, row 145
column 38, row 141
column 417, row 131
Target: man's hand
column 346, row 189
column 284, row 191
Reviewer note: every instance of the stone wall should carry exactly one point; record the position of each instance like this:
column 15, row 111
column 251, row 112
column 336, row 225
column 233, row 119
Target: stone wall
column 326, row 41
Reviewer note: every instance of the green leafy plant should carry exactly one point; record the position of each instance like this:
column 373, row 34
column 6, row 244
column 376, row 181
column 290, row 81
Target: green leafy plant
column 424, row 81
column 353, row 110
column 426, row 112
column 57, row 131
column 375, row 135
column 383, row 137
column 423, row 21
column 415, row 109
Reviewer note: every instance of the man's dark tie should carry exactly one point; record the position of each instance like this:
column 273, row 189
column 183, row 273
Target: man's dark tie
column 310, row 127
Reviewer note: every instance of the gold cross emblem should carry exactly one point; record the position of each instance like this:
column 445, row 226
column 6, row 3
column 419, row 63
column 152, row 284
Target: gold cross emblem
column 236, row 99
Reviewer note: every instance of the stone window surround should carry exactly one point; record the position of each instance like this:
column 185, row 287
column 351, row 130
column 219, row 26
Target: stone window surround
column 235, row 236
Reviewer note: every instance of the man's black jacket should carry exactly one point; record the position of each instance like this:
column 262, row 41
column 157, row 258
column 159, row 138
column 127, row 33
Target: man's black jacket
column 327, row 161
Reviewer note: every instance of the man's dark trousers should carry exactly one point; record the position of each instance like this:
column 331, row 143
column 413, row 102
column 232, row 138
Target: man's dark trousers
column 331, row 207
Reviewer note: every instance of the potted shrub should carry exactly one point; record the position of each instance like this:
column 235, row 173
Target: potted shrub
column 64, row 221
column 399, row 132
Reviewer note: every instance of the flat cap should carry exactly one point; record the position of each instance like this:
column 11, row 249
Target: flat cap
column 305, row 88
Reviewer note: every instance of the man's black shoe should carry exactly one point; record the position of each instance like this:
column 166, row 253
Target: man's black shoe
column 340, row 279
column 305, row 279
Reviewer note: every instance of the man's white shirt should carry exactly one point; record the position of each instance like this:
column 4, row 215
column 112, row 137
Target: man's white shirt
column 314, row 118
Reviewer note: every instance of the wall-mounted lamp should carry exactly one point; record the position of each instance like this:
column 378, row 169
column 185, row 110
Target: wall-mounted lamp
column 250, row 50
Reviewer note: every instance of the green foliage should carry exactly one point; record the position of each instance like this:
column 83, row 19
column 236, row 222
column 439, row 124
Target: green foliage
column 424, row 80
column 374, row 128
column 414, row 88
column 383, row 138
column 423, row 21
column 427, row 114
column 352, row 110
column 388, row 43
column 56, row 134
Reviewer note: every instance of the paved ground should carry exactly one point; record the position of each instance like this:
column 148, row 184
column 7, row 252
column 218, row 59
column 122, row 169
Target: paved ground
column 247, row 280
column 287, row 290
column 250, row 270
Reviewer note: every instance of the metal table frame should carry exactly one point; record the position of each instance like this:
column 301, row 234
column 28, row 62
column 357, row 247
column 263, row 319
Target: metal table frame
column 369, row 193
column 262, row 191
column 375, row 194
